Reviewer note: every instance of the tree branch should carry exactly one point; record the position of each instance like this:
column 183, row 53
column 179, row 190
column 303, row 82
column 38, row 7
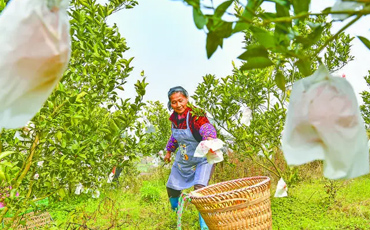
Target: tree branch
column 289, row 19
column 337, row 34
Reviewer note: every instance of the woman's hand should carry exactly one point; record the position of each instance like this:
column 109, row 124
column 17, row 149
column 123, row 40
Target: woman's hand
column 210, row 150
column 167, row 158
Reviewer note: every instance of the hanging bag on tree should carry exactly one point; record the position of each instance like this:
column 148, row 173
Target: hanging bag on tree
column 324, row 123
column 34, row 52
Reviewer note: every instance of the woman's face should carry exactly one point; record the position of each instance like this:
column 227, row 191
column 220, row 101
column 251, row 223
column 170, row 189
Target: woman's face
column 178, row 102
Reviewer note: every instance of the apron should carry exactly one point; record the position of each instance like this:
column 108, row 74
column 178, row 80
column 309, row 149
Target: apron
column 187, row 170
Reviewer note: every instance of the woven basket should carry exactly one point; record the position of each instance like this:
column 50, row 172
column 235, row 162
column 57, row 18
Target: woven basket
column 237, row 204
column 33, row 221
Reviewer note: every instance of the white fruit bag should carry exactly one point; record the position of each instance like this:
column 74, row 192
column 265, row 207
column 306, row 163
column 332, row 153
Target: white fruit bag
column 110, row 178
column 34, row 52
column 79, row 189
column 324, row 123
column 212, row 149
column 281, row 189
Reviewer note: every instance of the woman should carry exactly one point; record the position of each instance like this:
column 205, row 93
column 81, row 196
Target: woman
column 187, row 131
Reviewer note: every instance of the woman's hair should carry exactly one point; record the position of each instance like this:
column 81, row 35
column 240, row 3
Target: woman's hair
column 176, row 89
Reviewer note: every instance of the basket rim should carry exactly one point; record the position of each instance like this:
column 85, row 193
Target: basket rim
column 266, row 180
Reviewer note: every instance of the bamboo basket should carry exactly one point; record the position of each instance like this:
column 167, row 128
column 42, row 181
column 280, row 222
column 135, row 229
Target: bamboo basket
column 237, row 204
column 33, row 221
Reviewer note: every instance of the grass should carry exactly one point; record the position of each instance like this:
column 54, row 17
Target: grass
column 140, row 202
column 143, row 206
column 312, row 204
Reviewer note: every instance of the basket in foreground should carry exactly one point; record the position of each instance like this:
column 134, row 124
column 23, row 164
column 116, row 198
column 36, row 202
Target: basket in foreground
column 237, row 204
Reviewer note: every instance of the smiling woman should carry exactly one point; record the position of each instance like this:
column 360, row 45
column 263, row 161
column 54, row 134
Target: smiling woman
column 187, row 131
column 178, row 99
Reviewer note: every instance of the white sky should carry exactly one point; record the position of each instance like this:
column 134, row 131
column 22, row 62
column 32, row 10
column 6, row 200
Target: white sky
column 166, row 44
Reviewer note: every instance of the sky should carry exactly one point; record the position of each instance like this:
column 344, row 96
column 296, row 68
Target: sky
column 169, row 48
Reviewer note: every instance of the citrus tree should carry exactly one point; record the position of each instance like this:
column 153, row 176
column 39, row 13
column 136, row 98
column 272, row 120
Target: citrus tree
column 284, row 43
column 157, row 128
column 265, row 92
column 84, row 129
column 365, row 108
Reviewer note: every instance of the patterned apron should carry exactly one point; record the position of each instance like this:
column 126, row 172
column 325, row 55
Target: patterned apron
column 188, row 170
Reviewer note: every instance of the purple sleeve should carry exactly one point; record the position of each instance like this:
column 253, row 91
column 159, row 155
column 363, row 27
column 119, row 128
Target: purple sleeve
column 172, row 144
column 207, row 130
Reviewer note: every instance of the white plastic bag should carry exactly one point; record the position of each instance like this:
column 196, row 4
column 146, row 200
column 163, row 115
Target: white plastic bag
column 79, row 189
column 110, row 177
column 212, row 149
column 246, row 116
column 96, row 194
column 34, row 52
column 324, row 123
column 281, row 189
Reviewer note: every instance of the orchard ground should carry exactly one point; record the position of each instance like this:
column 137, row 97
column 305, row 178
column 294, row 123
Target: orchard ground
column 140, row 202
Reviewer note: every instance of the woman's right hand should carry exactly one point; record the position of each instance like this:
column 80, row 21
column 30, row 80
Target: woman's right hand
column 167, row 158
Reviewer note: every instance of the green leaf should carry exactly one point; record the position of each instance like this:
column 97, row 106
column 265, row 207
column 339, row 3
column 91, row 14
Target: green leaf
column 224, row 29
column 59, row 135
column 199, row 19
column 221, row 9
column 2, row 5
column 256, row 62
column 50, row 104
column 64, row 144
column 78, row 117
column 283, row 10
column 80, row 95
column 213, row 41
column 2, row 173
column 69, row 162
column 5, row 154
column 254, row 51
column 303, row 40
column 327, row 10
column 301, row 6
column 304, row 66
column 311, row 39
column 6, row 163
column 264, row 37
column 280, row 2
column 280, row 80
column 101, row 12
column 61, row 193
column 196, row 111
column 282, row 28
column 365, row 41
column 241, row 26
column 194, row 3
column 84, row 3
column 250, row 9
column 113, row 127
column 315, row 35
column 106, row 131
column 62, row 158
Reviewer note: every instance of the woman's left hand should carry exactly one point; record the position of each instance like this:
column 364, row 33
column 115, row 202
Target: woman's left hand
column 208, row 139
column 167, row 158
